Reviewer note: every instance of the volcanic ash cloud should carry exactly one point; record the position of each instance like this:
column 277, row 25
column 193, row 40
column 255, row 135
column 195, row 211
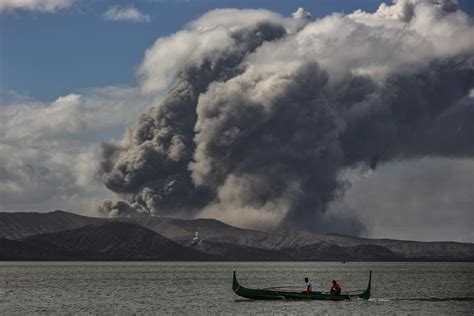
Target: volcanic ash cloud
column 261, row 113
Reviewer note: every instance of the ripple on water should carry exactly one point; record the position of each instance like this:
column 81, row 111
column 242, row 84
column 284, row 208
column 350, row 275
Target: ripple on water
column 204, row 288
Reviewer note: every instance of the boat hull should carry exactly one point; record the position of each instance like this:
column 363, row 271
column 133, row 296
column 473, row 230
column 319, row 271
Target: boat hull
column 265, row 294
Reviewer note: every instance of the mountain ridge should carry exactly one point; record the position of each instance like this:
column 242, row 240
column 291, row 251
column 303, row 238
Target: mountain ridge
column 113, row 240
column 225, row 242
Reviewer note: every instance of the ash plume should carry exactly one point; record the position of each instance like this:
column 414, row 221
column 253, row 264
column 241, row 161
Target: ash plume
column 262, row 113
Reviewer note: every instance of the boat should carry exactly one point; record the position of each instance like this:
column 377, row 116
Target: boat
column 275, row 294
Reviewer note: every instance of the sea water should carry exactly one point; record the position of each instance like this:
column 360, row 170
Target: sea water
column 195, row 288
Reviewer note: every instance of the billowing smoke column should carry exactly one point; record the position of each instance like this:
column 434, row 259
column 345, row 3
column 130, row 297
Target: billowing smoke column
column 261, row 113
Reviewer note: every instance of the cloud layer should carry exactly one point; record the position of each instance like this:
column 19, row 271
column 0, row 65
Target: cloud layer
column 34, row 5
column 263, row 113
column 48, row 151
column 131, row 14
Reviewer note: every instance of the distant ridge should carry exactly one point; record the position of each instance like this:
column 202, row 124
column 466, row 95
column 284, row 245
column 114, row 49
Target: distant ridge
column 22, row 224
column 59, row 234
column 103, row 241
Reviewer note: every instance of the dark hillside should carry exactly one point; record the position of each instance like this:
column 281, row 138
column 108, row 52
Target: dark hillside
column 104, row 241
column 19, row 225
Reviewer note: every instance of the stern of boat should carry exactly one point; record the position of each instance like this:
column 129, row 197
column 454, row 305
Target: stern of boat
column 366, row 293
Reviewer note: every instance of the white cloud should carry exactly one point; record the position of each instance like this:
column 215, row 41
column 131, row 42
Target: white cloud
column 394, row 39
column 301, row 14
column 34, row 5
column 375, row 44
column 131, row 14
column 234, row 19
column 48, row 150
column 202, row 39
column 170, row 53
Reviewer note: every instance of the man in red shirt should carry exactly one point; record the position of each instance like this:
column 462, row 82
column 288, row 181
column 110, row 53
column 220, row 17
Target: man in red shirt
column 336, row 288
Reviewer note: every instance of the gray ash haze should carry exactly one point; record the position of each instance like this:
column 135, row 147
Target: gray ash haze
column 261, row 115
column 358, row 123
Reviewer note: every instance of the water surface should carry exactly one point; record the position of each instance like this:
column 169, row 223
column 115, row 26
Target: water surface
column 205, row 288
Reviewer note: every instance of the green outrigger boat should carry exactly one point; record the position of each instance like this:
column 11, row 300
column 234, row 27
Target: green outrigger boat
column 272, row 294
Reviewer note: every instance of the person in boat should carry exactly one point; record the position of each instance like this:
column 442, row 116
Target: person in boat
column 336, row 288
column 307, row 286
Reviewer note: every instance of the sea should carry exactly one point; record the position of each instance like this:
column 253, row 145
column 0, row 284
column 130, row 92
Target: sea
column 205, row 288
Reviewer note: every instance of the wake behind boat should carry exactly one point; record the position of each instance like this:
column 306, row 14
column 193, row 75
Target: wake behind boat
column 269, row 294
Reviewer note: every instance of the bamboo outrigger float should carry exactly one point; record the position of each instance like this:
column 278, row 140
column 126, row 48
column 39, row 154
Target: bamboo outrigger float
column 269, row 294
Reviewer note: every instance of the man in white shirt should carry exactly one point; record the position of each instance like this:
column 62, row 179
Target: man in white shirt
column 307, row 286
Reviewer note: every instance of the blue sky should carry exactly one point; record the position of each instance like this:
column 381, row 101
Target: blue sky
column 46, row 55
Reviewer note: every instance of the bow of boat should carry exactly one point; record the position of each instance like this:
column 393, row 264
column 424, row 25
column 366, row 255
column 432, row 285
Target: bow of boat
column 366, row 293
column 235, row 284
